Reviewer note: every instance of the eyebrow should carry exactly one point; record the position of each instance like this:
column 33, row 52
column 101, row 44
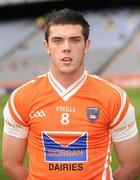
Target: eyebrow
column 59, row 37
column 78, row 37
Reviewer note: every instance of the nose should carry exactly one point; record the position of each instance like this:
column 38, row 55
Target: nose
column 66, row 46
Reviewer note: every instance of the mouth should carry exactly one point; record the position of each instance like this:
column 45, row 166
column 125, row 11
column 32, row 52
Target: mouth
column 67, row 60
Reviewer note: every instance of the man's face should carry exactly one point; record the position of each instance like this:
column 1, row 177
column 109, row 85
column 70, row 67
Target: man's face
column 66, row 47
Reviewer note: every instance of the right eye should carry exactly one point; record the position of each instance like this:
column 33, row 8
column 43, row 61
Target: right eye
column 57, row 41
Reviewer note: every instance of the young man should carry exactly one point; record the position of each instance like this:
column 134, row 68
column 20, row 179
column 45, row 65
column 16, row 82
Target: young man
column 68, row 117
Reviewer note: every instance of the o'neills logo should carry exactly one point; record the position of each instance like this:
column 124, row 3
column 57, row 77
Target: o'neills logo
column 65, row 146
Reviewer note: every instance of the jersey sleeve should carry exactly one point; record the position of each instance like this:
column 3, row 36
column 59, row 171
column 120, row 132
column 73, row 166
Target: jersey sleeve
column 11, row 127
column 124, row 125
column 15, row 118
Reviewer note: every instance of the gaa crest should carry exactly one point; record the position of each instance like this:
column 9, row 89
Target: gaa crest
column 93, row 113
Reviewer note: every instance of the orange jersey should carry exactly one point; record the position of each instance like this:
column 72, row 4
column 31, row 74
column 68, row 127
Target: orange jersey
column 70, row 131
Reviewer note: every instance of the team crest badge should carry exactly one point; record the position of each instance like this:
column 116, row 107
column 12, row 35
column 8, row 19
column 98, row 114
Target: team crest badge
column 93, row 113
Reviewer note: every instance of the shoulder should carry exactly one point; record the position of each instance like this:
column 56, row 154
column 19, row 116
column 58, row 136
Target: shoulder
column 23, row 96
column 30, row 88
column 105, row 88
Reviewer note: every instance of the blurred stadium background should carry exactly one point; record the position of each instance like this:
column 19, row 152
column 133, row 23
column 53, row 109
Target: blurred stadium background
column 115, row 33
column 115, row 37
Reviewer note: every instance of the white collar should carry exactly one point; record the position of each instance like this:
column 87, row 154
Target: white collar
column 65, row 94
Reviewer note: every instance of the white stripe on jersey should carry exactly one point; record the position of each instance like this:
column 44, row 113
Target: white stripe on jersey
column 13, row 106
column 123, row 101
column 108, row 154
column 13, row 96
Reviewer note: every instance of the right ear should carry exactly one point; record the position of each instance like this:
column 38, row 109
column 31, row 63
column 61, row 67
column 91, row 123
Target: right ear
column 46, row 46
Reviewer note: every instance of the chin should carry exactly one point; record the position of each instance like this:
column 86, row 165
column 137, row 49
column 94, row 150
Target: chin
column 67, row 70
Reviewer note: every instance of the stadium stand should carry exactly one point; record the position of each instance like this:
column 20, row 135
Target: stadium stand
column 12, row 33
column 22, row 56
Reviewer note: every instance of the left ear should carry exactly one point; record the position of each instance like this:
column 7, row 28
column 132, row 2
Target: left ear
column 87, row 46
column 46, row 46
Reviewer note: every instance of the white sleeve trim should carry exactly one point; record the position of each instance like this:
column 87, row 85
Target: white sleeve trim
column 127, row 128
column 13, row 106
column 11, row 127
column 123, row 101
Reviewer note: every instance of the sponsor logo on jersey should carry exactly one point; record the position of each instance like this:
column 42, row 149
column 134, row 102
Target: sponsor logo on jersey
column 66, row 167
column 93, row 113
column 65, row 146
column 123, row 127
column 12, row 124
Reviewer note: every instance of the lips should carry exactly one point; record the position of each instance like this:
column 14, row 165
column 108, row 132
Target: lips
column 66, row 59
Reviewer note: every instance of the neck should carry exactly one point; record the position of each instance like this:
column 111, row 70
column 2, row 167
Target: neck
column 66, row 79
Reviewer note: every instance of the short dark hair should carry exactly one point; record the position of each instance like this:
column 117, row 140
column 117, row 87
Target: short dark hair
column 66, row 16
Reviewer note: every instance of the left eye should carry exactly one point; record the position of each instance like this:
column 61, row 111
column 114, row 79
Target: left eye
column 75, row 40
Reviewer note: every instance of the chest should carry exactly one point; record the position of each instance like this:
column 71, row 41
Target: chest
column 72, row 126
column 77, row 114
